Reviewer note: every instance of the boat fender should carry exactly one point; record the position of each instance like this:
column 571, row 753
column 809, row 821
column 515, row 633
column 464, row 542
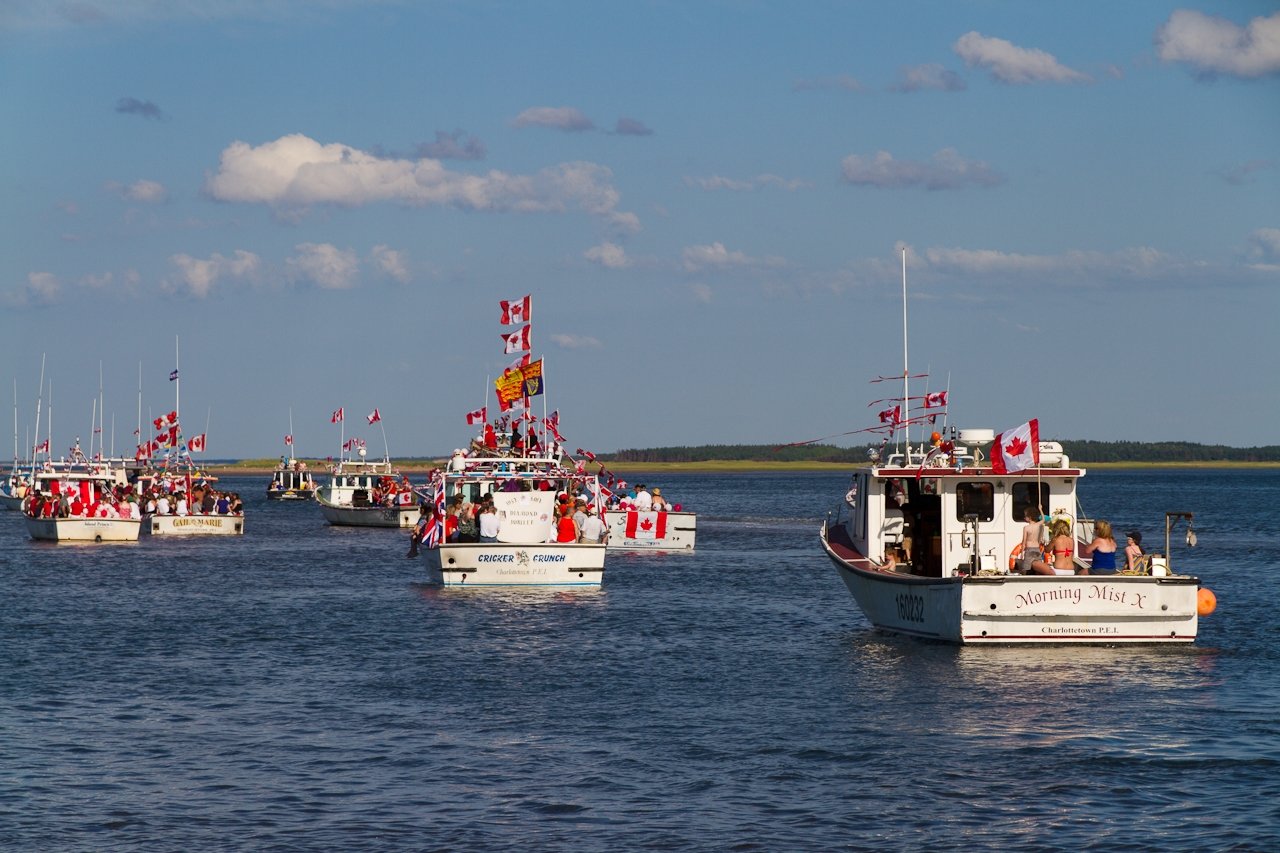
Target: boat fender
column 1014, row 556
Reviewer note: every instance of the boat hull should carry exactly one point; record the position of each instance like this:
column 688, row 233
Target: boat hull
column 10, row 502
column 290, row 494
column 84, row 529
column 193, row 525
column 1008, row 609
column 504, row 564
column 372, row 516
column 677, row 531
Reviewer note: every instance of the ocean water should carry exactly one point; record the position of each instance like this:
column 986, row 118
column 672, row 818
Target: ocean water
column 299, row 688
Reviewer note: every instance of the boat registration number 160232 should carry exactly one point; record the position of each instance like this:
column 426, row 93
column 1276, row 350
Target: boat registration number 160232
column 910, row 607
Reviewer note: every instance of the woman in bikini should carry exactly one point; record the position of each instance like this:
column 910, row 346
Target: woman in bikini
column 1062, row 549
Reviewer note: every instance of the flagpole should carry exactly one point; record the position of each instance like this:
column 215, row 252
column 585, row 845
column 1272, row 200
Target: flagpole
column 291, row 433
column 135, row 452
column 39, row 399
column 208, row 418
column 905, row 382
column 177, row 382
column 386, row 449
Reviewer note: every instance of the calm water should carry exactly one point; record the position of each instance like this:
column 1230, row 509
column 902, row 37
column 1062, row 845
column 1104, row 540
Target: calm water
column 299, row 689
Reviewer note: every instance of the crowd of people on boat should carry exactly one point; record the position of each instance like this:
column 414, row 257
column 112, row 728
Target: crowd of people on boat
column 160, row 497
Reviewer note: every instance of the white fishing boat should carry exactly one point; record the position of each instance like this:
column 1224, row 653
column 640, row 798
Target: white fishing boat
column 641, row 530
column 291, row 481
column 74, row 504
column 194, row 524
column 927, row 539
column 524, row 492
column 361, row 493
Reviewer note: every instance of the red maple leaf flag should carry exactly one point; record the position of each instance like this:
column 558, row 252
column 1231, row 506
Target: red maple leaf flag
column 517, row 341
column 478, row 416
column 336, row 417
column 937, row 398
column 374, row 416
column 515, row 311
column 646, row 525
column 288, row 440
column 1017, row 449
column 196, row 443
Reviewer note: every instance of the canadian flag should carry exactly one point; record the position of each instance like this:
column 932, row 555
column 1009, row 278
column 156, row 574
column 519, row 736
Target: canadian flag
column 288, row 441
column 937, row 398
column 336, row 417
column 515, row 312
column 519, row 364
column 144, row 452
column 479, row 416
column 373, row 417
column 1017, row 449
column 517, row 341
column 173, row 436
column 646, row 525
column 891, row 416
column 42, row 447
column 196, row 443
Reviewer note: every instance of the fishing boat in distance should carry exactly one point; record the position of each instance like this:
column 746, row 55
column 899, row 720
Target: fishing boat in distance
column 291, row 481
column 928, row 538
column 361, row 493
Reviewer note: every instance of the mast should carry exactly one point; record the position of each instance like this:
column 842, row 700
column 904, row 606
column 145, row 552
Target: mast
column 906, row 396
column 102, row 419
column 291, row 433
column 39, row 399
column 15, row 423
column 139, row 433
column 177, row 381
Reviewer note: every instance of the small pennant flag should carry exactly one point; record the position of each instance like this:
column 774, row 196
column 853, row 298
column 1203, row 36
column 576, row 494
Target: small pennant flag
column 173, row 375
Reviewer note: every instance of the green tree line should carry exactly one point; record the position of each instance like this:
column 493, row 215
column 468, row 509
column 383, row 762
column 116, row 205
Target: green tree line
column 1082, row 452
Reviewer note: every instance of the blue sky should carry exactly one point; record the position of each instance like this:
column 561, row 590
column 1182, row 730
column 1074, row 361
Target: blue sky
column 325, row 201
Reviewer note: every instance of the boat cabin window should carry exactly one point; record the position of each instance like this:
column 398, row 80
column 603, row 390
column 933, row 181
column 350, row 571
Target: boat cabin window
column 1024, row 495
column 975, row 499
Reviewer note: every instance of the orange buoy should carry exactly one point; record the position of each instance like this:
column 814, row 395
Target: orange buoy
column 1206, row 602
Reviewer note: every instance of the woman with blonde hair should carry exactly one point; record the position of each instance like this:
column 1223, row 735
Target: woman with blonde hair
column 1062, row 548
column 1102, row 549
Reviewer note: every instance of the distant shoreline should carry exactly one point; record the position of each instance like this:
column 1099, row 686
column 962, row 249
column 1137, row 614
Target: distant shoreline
column 318, row 468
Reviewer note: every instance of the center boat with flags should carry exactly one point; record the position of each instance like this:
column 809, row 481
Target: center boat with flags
column 361, row 493
column 504, row 512
column 927, row 541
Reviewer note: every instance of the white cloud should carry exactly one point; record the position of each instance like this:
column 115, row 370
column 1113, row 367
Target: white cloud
column 141, row 191
column 914, row 78
column 701, row 293
column 325, row 265
column 1264, row 248
column 43, row 286
column 1139, row 261
column 608, row 255
column 1009, row 63
column 296, row 171
column 719, row 182
column 946, row 171
column 1218, row 46
column 393, row 263
column 716, row 257
column 568, row 119
column 199, row 276
column 576, row 341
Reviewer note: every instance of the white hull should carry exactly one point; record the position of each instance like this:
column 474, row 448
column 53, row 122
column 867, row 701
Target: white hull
column 8, row 501
column 349, row 516
column 998, row 609
column 193, row 525
column 503, row 564
column 84, row 529
column 677, row 533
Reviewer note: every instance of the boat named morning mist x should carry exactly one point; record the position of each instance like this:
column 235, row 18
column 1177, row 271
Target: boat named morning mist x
column 927, row 537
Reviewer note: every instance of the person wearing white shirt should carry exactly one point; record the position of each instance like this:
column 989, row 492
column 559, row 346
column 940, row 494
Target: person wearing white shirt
column 644, row 500
column 593, row 529
column 182, row 504
column 162, row 504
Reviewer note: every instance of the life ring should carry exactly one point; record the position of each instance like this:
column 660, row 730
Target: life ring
column 1014, row 556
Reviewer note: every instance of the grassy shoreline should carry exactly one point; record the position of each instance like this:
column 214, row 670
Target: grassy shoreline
column 317, row 467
